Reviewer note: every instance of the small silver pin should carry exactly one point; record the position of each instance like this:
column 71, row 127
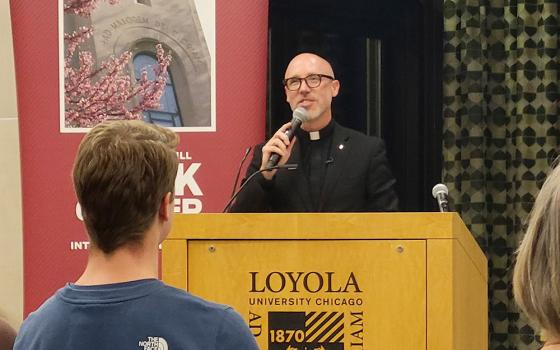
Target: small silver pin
column 341, row 146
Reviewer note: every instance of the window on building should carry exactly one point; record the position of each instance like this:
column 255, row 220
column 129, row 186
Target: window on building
column 168, row 113
column 144, row 2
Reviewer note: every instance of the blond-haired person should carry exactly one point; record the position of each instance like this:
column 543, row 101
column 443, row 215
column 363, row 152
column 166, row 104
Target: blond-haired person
column 536, row 277
column 124, row 176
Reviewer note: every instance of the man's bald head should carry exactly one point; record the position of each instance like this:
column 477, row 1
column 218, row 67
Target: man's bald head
column 309, row 69
column 309, row 59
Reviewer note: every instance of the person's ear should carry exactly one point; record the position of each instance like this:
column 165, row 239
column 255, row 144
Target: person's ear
column 335, row 87
column 165, row 207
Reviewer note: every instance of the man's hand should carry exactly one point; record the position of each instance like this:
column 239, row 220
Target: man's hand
column 279, row 144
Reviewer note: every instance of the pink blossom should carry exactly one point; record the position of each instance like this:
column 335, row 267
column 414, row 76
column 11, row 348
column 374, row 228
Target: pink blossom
column 83, row 7
column 92, row 94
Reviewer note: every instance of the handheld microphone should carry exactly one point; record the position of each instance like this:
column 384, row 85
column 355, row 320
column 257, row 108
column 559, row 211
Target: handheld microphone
column 440, row 193
column 299, row 117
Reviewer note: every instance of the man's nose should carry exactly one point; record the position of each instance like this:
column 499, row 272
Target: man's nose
column 303, row 87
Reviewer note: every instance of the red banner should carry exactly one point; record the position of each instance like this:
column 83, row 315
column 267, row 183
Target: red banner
column 55, row 242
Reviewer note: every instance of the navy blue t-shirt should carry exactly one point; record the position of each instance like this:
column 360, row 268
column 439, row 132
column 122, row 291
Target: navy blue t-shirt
column 143, row 314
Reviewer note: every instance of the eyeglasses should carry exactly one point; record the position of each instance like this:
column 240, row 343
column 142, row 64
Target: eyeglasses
column 312, row 81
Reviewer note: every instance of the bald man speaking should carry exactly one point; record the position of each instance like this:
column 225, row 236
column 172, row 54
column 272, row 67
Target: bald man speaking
column 339, row 169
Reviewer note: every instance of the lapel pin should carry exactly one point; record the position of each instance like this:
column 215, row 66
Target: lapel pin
column 341, row 146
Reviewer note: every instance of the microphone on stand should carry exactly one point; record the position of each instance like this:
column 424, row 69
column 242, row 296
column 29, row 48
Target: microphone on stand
column 299, row 117
column 440, row 193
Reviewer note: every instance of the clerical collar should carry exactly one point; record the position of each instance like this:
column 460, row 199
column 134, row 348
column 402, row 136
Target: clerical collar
column 316, row 135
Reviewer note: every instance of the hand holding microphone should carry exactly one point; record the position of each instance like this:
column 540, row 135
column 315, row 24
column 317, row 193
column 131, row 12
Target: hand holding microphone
column 278, row 149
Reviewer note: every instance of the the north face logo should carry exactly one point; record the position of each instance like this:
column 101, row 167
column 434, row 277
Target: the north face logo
column 153, row 343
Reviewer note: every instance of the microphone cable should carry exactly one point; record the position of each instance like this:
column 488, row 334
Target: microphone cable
column 247, row 151
column 285, row 166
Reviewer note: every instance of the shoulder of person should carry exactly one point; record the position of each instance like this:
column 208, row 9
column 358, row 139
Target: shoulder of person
column 182, row 296
column 360, row 136
column 45, row 309
column 234, row 333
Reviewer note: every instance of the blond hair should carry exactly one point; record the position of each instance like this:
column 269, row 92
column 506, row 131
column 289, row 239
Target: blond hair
column 536, row 277
column 122, row 172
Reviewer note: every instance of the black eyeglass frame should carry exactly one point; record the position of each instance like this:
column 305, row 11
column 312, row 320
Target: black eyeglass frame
column 321, row 76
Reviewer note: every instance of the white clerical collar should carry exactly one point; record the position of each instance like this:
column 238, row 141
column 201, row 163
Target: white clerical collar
column 314, row 135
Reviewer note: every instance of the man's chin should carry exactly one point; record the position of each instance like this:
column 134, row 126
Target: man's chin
column 312, row 115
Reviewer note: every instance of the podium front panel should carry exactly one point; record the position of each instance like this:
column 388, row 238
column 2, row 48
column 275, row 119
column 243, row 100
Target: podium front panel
column 317, row 294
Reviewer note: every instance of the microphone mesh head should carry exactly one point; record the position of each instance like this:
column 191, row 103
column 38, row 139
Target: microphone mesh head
column 301, row 114
column 439, row 188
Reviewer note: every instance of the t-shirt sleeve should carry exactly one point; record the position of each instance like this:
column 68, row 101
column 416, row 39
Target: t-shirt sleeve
column 234, row 334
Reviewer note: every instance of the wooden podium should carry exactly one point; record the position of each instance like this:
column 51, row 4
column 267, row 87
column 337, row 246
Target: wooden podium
column 333, row 281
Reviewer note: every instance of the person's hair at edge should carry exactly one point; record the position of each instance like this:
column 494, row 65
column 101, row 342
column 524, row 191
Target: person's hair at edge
column 536, row 276
column 122, row 172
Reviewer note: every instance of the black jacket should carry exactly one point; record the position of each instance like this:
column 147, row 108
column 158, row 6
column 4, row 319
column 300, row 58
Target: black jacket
column 358, row 179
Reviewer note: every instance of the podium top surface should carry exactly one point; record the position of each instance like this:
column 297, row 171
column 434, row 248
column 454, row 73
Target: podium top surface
column 319, row 226
column 329, row 226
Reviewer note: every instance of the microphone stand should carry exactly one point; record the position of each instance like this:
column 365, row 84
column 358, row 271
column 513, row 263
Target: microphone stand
column 285, row 166
column 247, row 151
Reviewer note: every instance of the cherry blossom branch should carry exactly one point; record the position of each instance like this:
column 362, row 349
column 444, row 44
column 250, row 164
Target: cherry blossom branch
column 92, row 94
